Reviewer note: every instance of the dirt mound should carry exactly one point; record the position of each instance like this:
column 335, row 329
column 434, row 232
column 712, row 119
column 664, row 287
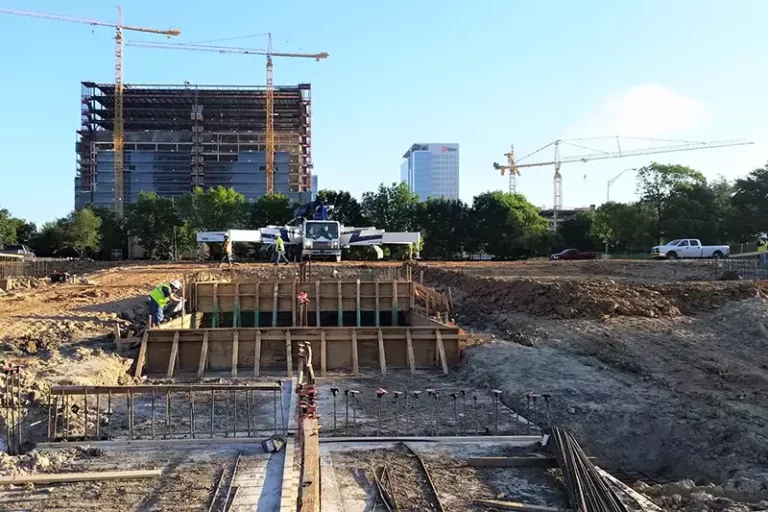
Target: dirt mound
column 736, row 494
column 593, row 298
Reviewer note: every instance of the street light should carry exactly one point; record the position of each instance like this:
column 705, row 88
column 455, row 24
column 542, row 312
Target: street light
column 611, row 182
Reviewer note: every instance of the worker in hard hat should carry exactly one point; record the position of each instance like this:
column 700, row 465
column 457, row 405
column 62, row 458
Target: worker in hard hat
column 161, row 297
column 227, row 250
column 280, row 250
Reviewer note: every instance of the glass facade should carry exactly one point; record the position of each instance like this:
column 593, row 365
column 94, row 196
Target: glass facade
column 432, row 170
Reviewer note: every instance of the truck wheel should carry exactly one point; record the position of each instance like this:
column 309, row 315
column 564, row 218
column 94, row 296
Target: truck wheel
column 717, row 255
column 672, row 255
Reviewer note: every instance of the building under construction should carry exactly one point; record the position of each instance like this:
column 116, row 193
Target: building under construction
column 178, row 137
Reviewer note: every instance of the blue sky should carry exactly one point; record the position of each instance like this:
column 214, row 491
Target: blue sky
column 481, row 74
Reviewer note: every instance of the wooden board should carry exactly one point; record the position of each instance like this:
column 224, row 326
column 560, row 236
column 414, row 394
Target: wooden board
column 50, row 478
column 142, row 355
column 309, row 497
column 203, row 355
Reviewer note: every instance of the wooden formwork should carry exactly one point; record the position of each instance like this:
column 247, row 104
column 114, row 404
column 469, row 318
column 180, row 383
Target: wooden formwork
column 253, row 351
column 324, row 296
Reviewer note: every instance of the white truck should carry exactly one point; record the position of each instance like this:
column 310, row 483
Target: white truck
column 317, row 239
column 689, row 248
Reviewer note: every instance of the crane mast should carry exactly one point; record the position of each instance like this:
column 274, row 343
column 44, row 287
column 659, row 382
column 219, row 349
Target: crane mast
column 513, row 168
column 270, row 127
column 118, row 130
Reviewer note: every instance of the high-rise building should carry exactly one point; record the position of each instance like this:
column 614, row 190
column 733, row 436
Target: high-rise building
column 315, row 186
column 178, row 137
column 432, row 170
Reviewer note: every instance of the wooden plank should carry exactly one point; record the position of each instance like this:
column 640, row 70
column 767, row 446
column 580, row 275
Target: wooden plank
column 142, row 355
column 257, row 306
column 646, row 504
column 236, row 313
column 257, row 354
column 174, row 355
column 203, row 355
column 235, row 350
column 355, row 366
column 382, row 355
column 118, row 339
column 274, row 305
column 441, row 351
column 288, row 354
column 317, row 303
column 293, row 303
column 512, row 462
column 357, row 302
column 411, row 358
column 516, row 505
column 323, row 353
column 50, row 478
column 376, row 288
column 215, row 316
column 341, row 306
column 309, row 495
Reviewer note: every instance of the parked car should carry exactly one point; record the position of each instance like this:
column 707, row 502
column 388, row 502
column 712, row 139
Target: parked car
column 573, row 254
column 689, row 248
column 19, row 250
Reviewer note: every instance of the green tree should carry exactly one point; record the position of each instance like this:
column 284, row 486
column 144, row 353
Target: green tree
column 49, row 241
column 346, row 209
column 391, row 208
column 8, row 227
column 81, row 231
column 577, row 233
column 625, row 227
column 154, row 221
column 750, row 205
column 25, row 231
column 215, row 209
column 112, row 232
column 507, row 226
column 445, row 226
column 274, row 210
column 656, row 185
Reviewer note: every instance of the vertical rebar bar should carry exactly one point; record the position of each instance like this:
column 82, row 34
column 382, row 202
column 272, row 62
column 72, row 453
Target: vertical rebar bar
column 474, row 398
column 85, row 414
column 192, row 412
column 129, row 401
column 282, row 409
column 274, row 403
column 153, row 413
column 98, row 416
column 213, row 408
column 248, row 410
column 109, row 414
column 55, row 418
column 227, row 413
column 50, row 398
column 167, row 415
column 7, row 407
column 66, row 412
column 18, row 410
column 191, row 427
column 346, row 413
column 234, row 413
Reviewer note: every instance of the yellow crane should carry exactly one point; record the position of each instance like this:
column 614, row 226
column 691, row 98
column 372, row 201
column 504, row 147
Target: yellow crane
column 118, row 133
column 513, row 167
column 270, row 101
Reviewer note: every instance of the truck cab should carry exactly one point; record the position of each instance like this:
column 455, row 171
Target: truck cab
column 321, row 239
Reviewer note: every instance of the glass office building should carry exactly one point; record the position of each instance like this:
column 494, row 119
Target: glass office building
column 432, row 170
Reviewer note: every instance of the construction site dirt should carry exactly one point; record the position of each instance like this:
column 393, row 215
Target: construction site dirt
column 654, row 366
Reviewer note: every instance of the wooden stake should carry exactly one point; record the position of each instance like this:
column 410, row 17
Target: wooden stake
column 317, row 303
column 355, row 367
column 142, row 355
column 323, row 353
column 256, row 311
column 341, row 308
column 516, row 505
column 118, row 340
column 288, row 354
column 411, row 358
column 274, row 305
column 441, row 351
column 203, row 355
column 235, row 350
column 382, row 356
column 357, row 302
column 174, row 355
column 257, row 354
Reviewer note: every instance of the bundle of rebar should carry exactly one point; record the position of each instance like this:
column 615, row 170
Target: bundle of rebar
column 587, row 490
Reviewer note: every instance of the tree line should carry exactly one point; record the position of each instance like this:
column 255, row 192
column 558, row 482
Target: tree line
column 674, row 202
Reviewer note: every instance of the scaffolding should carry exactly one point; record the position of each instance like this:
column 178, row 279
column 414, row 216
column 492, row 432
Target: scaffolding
column 178, row 137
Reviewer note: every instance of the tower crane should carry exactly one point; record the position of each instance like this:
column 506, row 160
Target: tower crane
column 118, row 133
column 270, row 100
column 513, row 167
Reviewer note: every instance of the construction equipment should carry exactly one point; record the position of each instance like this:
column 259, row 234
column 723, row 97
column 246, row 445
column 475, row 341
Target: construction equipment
column 270, row 100
column 513, row 167
column 118, row 134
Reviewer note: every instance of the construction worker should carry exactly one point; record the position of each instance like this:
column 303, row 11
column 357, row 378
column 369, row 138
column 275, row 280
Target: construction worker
column 280, row 249
column 227, row 252
column 160, row 297
column 762, row 248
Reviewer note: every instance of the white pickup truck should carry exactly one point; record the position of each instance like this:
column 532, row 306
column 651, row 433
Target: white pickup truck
column 689, row 248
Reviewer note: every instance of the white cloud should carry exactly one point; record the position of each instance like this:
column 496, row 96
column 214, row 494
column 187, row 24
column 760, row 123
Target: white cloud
column 647, row 110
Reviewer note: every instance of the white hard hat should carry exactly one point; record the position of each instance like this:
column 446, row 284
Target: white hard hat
column 176, row 284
